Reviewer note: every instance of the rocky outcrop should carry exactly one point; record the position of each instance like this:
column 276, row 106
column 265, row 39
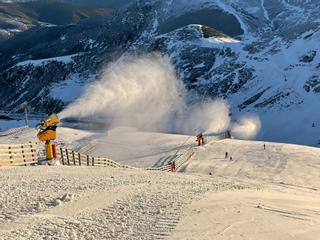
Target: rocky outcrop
column 313, row 84
column 210, row 62
column 309, row 57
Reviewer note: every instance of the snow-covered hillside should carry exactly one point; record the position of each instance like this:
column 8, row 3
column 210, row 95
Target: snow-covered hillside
column 268, row 65
column 277, row 163
column 19, row 16
column 260, row 194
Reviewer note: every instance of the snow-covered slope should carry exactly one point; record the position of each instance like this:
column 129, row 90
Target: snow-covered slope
column 260, row 194
column 278, row 163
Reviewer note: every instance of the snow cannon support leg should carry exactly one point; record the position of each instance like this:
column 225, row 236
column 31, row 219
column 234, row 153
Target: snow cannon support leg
column 54, row 151
column 173, row 166
column 49, row 152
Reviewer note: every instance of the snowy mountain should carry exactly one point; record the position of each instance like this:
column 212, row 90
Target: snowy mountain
column 101, row 3
column 263, row 56
column 19, row 17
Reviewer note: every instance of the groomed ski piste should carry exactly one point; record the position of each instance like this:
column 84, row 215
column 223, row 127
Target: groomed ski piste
column 271, row 193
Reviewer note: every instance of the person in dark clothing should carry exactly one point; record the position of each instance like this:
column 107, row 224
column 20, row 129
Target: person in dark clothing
column 226, row 156
column 264, row 146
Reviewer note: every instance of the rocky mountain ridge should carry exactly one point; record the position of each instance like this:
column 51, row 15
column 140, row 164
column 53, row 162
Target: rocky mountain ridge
column 21, row 16
column 264, row 59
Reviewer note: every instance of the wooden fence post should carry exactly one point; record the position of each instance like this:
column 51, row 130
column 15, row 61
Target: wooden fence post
column 88, row 160
column 68, row 160
column 79, row 157
column 74, row 159
column 92, row 161
column 62, row 158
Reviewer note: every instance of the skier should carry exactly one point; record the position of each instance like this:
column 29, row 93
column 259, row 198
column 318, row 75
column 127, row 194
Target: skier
column 226, row 156
column 264, row 146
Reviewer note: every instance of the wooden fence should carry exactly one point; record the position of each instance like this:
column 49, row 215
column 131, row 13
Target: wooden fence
column 184, row 158
column 18, row 154
column 72, row 158
column 26, row 154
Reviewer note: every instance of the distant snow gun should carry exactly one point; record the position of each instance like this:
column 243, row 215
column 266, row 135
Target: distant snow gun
column 200, row 139
column 47, row 133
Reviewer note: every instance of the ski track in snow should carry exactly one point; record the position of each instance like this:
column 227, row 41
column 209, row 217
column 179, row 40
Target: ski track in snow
column 96, row 203
column 243, row 197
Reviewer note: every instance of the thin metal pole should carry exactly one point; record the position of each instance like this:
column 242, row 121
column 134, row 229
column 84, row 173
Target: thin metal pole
column 26, row 116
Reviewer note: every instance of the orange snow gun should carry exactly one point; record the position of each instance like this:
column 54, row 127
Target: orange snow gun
column 200, row 139
column 47, row 132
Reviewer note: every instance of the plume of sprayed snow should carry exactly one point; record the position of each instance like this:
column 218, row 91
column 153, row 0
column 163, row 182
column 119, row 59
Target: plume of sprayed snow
column 247, row 127
column 139, row 92
column 210, row 117
column 144, row 93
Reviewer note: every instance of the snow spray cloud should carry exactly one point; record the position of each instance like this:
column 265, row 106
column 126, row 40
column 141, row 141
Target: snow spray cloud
column 144, row 93
column 210, row 117
column 136, row 92
column 247, row 127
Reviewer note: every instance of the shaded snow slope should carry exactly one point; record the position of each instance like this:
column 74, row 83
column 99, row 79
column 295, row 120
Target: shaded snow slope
column 141, row 149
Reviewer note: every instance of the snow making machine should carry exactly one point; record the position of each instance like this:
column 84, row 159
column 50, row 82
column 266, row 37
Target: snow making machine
column 47, row 133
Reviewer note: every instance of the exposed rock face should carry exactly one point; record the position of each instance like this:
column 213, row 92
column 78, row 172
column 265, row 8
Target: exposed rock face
column 95, row 42
column 264, row 57
column 309, row 57
column 313, row 84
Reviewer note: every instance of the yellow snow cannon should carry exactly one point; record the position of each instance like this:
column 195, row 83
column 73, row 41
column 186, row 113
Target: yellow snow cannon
column 52, row 120
column 47, row 133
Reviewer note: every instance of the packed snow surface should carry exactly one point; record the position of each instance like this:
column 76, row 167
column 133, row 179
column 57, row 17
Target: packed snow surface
column 262, row 193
